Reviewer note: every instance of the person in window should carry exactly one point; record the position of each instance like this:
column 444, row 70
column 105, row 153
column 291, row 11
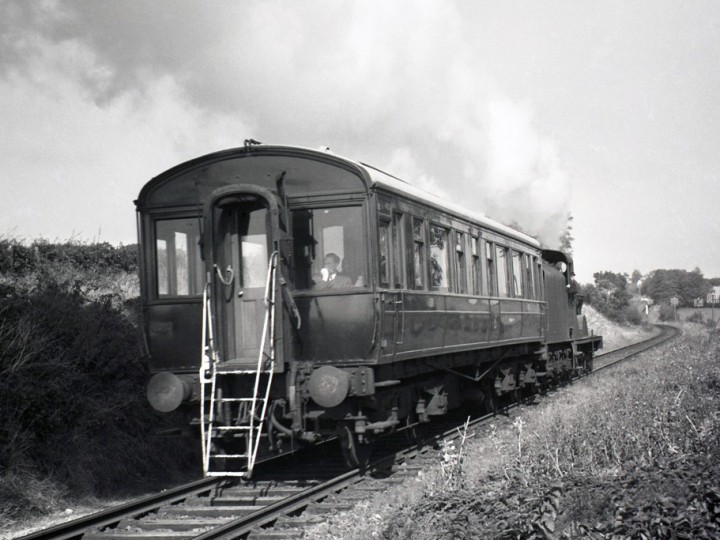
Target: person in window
column 330, row 277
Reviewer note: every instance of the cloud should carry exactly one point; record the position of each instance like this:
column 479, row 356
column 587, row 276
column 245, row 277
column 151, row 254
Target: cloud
column 115, row 92
column 72, row 164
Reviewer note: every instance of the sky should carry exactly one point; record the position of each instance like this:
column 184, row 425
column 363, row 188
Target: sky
column 526, row 111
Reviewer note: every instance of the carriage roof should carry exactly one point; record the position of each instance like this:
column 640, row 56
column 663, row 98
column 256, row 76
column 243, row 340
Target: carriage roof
column 181, row 178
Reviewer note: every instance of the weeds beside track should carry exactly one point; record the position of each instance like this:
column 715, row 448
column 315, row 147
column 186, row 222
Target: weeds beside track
column 631, row 452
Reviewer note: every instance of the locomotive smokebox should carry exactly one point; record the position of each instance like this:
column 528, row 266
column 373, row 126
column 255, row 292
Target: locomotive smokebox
column 166, row 391
column 329, row 386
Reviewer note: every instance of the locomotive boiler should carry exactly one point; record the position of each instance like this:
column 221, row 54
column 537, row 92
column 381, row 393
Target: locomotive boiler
column 292, row 296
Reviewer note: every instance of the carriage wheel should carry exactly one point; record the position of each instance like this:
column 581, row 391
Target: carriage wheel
column 356, row 454
column 490, row 399
column 413, row 429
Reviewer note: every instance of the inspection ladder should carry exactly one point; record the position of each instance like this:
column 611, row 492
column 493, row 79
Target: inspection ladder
column 248, row 424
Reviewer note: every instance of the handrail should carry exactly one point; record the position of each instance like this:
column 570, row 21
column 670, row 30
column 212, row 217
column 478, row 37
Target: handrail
column 269, row 321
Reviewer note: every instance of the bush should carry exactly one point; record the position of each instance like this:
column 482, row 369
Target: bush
column 609, row 297
column 633, row 315
column 696, row 317
column 72, row 379
column 19, row 259
column 666, row 312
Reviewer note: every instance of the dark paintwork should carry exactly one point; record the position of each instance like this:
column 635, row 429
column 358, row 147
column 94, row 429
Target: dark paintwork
column 174, row 335
column 359, row 326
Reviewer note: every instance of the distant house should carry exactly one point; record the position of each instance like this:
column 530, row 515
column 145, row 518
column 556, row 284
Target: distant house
column 713, row 296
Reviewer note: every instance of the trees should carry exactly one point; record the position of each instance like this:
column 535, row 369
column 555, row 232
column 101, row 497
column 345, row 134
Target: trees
column 635, row 279
column 610, row 296
column 662, row 285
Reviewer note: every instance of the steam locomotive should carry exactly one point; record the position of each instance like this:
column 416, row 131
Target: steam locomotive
column 292, row 296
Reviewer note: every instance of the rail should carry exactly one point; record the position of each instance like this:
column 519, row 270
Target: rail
column 77, row 527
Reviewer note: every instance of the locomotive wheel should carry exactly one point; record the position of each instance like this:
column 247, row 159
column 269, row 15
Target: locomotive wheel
column 589, row 365
column 490, row 399
column 356, row 454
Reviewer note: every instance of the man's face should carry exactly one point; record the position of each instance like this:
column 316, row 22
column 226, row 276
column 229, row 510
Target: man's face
column 331, row 265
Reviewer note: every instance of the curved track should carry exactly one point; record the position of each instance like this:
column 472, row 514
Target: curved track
column 608, row 359
column 270, row 506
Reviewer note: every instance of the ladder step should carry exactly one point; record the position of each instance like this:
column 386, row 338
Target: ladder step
column 228, row 399
column 229, row 456
column 235, row 428
column 243, row 372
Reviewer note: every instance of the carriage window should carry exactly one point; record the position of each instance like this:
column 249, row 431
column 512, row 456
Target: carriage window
column 438, row 258
column 397, row 251
column 179, row 266
column 539, row 279
column 253, row 248
column 517, row 278
column 461, row 263
column 384, row 254
column 490, row 261
column 529, row 277
column 475, row 266
column 502, row 270
column 419, row 253
column 329, row 251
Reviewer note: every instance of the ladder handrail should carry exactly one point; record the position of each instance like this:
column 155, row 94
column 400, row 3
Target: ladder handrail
column 269, row 320
column 208, row 363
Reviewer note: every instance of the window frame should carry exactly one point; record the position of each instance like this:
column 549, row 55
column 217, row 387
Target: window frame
column 528, row 271
column 420, row 247
column 315, row 205
column 384, row 224
column 516, row 272
column 503, row 287
column 448, row 265
column 490, row 266
column 461, row 266
column 154, row 271
column 475, row 266
column 397, row 236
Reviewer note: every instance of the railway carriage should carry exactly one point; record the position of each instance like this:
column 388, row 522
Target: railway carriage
column 292, row 296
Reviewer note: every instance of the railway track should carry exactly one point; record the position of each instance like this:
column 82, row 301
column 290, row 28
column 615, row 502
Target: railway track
column 608, row 359
column 270, row 507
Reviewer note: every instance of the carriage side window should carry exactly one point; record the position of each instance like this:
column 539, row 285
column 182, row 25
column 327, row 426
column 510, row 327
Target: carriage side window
column 179, row 268
column 461, row 262
column 529, row 276
column 491, row 271
column 517, row 275
column 398, row 250
column 329, row 251
column 439, row 258
column 539, row 279
column 419, row 253
column 474, row 266
column 502, row 270
column 384, row 244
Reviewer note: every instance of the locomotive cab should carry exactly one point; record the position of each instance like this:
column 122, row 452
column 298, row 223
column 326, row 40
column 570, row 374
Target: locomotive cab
column 570, row 345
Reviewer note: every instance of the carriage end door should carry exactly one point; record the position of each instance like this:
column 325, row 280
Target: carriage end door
column 241, row 219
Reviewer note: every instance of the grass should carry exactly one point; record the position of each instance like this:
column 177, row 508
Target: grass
column 633, row 453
